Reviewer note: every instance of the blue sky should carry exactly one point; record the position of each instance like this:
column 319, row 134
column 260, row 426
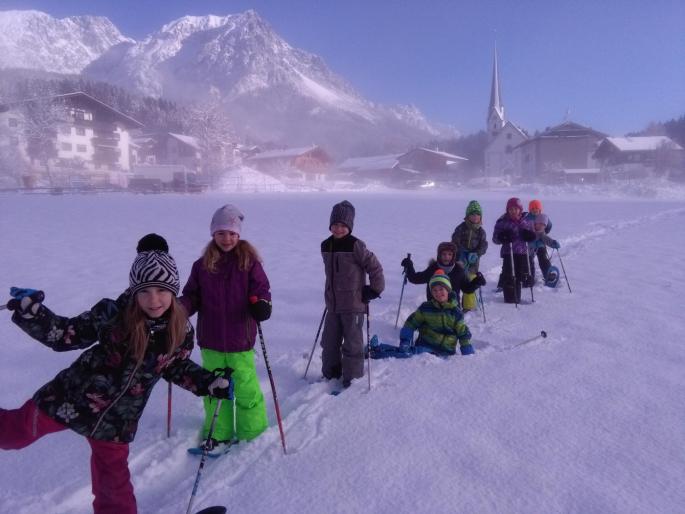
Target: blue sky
column 616, row 65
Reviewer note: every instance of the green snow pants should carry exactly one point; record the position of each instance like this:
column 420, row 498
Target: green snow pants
column 245, row 418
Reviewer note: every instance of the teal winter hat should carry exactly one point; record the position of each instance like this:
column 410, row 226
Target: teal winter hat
column 473, row 208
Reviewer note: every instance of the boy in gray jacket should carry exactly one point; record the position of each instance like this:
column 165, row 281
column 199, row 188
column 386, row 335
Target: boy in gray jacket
column 346, row 261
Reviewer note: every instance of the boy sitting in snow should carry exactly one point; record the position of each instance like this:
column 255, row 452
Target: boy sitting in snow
column 440, row 324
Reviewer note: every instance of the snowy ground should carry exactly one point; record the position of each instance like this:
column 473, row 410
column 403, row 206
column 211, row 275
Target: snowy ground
column 589, row 421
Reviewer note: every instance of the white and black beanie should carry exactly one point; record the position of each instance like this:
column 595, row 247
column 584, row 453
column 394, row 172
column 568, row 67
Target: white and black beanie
column 154, row 269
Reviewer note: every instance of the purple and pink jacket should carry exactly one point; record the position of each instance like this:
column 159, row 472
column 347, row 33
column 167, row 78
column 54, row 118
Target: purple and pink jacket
column 221, row 300
column 515, row 226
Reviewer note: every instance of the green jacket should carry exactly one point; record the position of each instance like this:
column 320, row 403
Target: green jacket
column 440, row 326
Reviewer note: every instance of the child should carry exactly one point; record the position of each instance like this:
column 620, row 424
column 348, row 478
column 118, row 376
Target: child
column 103, row 393
column 535, row 208
column 346, row 262
column 439, row 321
column 513, row 231
column 472, row 243
column 218, row 289
column 445, row 261
column 542, row 240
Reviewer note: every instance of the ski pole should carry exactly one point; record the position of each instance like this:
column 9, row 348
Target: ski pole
column 564, row 270
column 530, row 274
column 513, row 274
column 205, row 447
column 404, row 282
column 482, row 305
column 311, row 354
column 168, row 412
column 253, row 299
column 368, row 346
column 542, row 335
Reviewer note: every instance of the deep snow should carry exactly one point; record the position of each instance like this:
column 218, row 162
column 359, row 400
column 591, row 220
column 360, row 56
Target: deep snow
column 589, row 420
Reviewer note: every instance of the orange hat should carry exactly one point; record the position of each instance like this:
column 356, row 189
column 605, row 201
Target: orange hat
column 535, row 204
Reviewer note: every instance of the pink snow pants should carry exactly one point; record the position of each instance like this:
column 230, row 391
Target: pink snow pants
column 110, row 476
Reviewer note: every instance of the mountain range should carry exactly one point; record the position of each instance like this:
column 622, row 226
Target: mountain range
column 271, row 91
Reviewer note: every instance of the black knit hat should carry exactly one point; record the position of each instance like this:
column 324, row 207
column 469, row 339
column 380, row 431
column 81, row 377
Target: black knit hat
column 154, row 269
column 152, row 242
column 342, row 212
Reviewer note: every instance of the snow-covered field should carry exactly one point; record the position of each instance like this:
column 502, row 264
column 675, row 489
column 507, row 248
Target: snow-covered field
column 590, row 420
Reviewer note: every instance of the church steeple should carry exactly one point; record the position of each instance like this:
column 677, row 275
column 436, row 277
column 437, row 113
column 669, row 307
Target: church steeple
column 496, row 109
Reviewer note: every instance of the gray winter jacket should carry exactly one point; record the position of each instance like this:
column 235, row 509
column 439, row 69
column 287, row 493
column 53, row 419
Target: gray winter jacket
column 346, row 262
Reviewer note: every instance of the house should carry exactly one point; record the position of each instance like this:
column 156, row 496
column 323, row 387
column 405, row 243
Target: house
column 503, row 136
column 308, row 164
column 639, row 156
column 69, row 135
column 168, row 148
column 568, row 146
column 372, row 168
column 427, row 164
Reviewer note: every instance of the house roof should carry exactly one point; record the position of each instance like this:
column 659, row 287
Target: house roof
column 124, row 118
column 566, row 130
column 284, row 153
column 188, row 140
column 446, row 155
column 641, row 143
column 371, row 163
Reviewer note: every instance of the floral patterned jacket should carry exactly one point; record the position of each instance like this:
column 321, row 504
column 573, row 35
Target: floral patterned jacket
column 103, row 393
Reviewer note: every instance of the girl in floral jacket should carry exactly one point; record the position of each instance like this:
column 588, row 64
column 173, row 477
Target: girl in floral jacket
column 103, row 393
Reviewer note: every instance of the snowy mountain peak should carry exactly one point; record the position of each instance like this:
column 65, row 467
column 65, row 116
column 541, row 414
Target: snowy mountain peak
column 36, row 40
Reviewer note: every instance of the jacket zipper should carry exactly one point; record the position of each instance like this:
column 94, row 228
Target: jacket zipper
column 123, row 391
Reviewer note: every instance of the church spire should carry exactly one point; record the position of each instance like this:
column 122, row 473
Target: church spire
column 496, row 108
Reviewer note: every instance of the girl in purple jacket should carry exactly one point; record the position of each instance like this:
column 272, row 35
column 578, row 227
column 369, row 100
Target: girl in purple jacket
column 219, row 288
column 513, row 231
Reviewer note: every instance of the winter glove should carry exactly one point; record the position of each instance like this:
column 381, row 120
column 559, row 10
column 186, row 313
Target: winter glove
column 527, row 235
column 467, row 349
column 407, row 264
column 25, row 301
column 479, row 279
column 260, row 309
column 506, row 236
column 222, row 386
column 555, row 244
column 473, row 258
column 369, row 294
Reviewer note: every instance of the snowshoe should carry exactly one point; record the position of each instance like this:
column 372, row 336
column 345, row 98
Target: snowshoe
column 552, row 277
column 215, row 448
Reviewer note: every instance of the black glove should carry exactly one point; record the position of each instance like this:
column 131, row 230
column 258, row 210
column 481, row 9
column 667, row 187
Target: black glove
column 260, row 310
column 527, row 235
column 25, row 301
column 407, row 264
column 369, row 294
column 479, row 279
column 506, row 236
column 222, row 387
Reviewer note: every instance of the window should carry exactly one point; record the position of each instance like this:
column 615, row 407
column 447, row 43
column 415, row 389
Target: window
column 13, row 122
column 65, row 129
column 80, row 114
column 81, row 148
column 80, row 131
column 66, row 147
column 509, row 135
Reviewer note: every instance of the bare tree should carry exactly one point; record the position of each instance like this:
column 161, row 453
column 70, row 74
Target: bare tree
column 41, row 119
column 210, row 125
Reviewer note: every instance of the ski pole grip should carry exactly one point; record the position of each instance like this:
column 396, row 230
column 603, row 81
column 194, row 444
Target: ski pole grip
column 253, row 299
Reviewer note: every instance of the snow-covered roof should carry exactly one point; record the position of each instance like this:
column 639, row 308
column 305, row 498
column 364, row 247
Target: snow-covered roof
column 286, row 152
column 446, row 155
column 581, row 171
column 642, row 143
column 371, row 163
column 188, row 140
